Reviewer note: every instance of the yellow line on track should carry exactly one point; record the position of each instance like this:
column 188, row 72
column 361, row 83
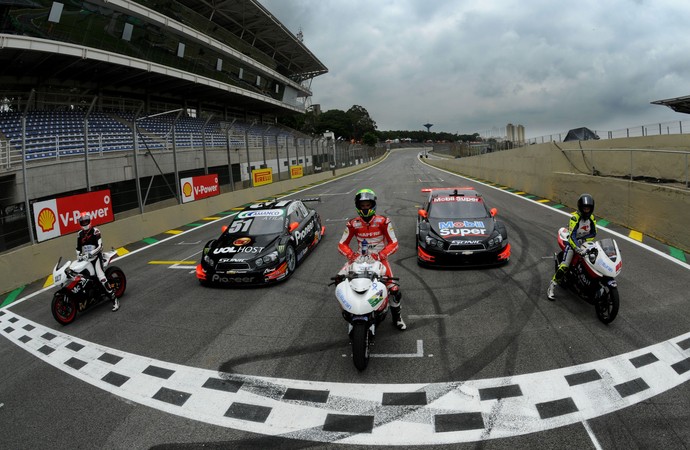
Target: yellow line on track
column 49, row 281
column 170, row 263
column 211, row 218
column 635, row 235
column 543, row 201
column 174, row 232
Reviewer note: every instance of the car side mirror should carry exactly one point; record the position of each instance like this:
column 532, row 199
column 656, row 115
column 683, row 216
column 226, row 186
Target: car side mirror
column 423, row 214
column 293, row 226
column 223, row 228
column 494, row 212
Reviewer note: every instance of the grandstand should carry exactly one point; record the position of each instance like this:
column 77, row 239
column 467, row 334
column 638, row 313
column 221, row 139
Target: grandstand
column 133, row 95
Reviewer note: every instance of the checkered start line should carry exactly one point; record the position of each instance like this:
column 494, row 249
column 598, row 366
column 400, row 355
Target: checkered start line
column 365, row 414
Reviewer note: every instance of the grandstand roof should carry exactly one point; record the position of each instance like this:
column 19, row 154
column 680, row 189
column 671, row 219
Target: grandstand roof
column 47, row 64
column 256, row 25
column 678, row 104
column 22, row 69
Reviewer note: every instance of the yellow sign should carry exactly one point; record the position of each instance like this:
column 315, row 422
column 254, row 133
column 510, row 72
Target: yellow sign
column 296, row 171
column 262, row 176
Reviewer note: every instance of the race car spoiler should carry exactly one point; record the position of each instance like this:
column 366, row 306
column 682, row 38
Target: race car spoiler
column 311, row 199
column 462, row 188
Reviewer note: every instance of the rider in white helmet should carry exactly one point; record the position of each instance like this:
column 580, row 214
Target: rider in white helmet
column 377, row 230
column 90, row 245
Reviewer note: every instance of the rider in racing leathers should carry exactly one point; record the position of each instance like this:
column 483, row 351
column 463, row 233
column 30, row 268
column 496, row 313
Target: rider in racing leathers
column 378, row 232
column 582, row 227
column 90, row 246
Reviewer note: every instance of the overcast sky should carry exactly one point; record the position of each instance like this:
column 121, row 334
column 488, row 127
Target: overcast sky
column 473, row 66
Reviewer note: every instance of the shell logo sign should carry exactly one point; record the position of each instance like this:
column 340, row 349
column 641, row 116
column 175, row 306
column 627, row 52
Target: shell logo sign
column 196, row 188
column 187, row 189
column 46, row 220
column 60, row 216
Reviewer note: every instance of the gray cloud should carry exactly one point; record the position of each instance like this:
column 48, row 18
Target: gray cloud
column 469, row 66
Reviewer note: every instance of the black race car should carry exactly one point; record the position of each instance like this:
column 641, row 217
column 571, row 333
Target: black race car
column 457, row 229
column 263, row 244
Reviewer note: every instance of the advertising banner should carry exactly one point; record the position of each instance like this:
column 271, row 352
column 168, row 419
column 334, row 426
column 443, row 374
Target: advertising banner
column 296, row 171
column 60, row 216
column 262, row 176
column 196, row 188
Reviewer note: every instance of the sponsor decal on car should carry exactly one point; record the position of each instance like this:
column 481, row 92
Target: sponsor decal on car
column 221, row 279
column 242, row 241
column 222, row 250
column 465, row 242
column 462, row 228
column 262, row 213
column 456, row 199
column 300, row 235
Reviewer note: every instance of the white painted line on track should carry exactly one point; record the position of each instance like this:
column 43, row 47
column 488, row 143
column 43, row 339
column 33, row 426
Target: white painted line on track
column 498, row 407
column 594, row 439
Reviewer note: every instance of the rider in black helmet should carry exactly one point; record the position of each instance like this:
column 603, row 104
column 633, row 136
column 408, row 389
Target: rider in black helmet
column 582, row 227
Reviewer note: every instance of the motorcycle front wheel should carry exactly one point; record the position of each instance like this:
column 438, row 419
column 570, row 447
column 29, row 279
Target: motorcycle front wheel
column 64, row 309
column 360, row 345
column 607, row 307
column 118, row 281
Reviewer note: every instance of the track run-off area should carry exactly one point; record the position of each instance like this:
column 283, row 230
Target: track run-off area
column 486, row 357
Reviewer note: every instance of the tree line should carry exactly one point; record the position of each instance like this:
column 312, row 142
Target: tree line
column 356, row 124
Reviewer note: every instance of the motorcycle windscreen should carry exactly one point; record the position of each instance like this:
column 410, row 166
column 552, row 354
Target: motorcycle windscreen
column 609, row 247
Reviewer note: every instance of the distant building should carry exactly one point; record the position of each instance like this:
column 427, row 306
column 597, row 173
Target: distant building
column 515, row 133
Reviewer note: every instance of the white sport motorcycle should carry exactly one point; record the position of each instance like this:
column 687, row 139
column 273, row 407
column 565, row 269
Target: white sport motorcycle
column 80, row 288
column 592, row 276
column 363, row 299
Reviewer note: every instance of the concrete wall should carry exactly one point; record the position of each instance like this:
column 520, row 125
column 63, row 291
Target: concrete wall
column 660, row 211
column 33, row 262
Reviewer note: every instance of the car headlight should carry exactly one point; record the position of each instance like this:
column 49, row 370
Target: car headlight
column 431, row 242
column 208, row 260
column 267, row 259
column 495, row 240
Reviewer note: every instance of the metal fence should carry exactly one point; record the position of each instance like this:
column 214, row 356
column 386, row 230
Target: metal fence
column 655, row 129
column 144, row 169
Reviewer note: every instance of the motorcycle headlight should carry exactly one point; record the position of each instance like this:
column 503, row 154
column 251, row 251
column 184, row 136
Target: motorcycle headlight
column 267, row 259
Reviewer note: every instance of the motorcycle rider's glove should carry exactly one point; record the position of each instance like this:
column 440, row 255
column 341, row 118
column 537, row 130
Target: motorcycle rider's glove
column 581, row 251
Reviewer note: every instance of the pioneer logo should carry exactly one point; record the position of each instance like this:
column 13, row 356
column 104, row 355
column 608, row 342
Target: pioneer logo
column 218, row 278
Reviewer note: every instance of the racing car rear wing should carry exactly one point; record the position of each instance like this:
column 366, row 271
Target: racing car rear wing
column 463, row 188
column 311, row 199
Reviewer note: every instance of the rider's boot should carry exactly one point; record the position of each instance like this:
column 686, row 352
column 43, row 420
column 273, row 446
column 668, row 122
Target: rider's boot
column 398, row 321
column 111, row 295
column 550, row 294
column 556, row 280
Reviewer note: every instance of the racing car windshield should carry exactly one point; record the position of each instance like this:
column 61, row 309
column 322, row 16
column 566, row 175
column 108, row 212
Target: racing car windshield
column 462, row 208
column 258, row 222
